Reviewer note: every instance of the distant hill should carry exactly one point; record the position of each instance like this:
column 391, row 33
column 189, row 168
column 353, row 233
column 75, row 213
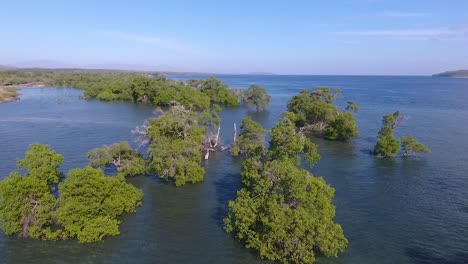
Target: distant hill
column 53, row 64
column 5, row 67
column 455, row 74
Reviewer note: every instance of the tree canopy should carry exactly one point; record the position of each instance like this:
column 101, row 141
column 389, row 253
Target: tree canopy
column 26, row 203
column 282, row 211
column 127, row 161
column 352, row 106
column 216, row 90
column 411, row 147
column 287, row 143
column 256, row 96
column 41, row 162
column 251, row 136
column 314, row 110
column 134, row 87
column 90, row 202
column 86, row 208
column 174, row 150
column 342, row 127
column 388, row 146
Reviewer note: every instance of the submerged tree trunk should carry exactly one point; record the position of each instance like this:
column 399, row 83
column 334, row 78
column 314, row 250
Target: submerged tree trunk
column 217, row 138
column 29, row 219
column 212, row 143
column 117, row 163
column 235, row 132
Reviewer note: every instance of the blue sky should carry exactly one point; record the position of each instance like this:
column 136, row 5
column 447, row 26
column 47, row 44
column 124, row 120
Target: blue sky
column 392, row 37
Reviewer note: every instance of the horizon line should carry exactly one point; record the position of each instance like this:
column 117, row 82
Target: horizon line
column 12, row 68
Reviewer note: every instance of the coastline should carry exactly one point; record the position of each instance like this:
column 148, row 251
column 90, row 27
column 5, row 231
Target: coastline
column 13, row 93
column 9, row 100
column 8, row 94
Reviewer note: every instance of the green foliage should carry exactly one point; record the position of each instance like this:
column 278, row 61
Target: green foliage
column 90, row 202
column 86, row 209
column 411, row 147
column 352, row 106
column 301, row 105
column 257, row 96
column 168, row 95
column 26, row 203
column 284, row 212
column 287, row 143
column 388, row 146
column 343, row 127
column 139, row 88
column 8, row 94
column 290, row 219
column 174, row 151
column 130, row 87
column 127, row 161
column 41, row 162
column 315, row 110
column 391, row 121
column 210, row 117
column 251, row 136
column 325, row 94
column 216, row 90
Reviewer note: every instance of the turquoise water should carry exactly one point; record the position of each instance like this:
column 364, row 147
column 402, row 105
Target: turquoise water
column 392, row 211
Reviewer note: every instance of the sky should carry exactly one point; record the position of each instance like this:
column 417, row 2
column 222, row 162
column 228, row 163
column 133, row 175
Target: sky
column 362, row 37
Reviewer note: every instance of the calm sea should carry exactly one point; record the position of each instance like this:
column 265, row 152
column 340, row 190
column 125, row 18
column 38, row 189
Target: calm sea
column 392, row 211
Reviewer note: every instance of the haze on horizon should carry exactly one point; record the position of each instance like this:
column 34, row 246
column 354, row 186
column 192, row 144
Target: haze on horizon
column 389, row 37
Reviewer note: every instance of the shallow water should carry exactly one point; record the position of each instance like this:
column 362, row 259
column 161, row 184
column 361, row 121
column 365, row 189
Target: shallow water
column 392, row 211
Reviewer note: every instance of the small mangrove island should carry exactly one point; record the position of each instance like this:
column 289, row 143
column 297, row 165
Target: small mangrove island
column 454, row 74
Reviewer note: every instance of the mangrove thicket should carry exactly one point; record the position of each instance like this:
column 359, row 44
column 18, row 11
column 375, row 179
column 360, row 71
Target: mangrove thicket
column 42, row 204
column 282, row 211
column 315, row 111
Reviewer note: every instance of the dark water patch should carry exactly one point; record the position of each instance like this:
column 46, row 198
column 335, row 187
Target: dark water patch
column 226, row 188
column 425, row 256
column 464, row 209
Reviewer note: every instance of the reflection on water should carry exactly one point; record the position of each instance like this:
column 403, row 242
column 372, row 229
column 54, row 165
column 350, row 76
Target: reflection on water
column 392, row 211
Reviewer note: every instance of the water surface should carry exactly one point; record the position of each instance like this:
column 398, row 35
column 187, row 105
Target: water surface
column 392, row 211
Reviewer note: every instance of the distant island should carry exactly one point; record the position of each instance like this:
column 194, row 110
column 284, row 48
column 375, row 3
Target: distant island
column 454, row 74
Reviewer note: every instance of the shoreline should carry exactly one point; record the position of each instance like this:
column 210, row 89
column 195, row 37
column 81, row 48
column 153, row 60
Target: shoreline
column 9, row 100
column 17, row 88
column 24, row 85
column 8, row 96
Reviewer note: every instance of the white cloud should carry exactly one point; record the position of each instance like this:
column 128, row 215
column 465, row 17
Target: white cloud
column 394, row 14
column 428, row 33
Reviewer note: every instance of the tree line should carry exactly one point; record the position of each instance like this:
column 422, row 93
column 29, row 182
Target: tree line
column 142, row 88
